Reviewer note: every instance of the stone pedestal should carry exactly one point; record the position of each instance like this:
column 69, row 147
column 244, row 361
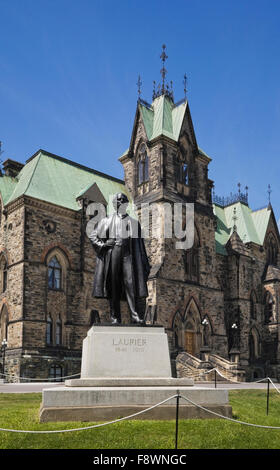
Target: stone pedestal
column 125, row 351
column 126, row 369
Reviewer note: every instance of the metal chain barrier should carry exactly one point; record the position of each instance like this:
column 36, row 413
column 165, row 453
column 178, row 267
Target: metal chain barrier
column 93, row 426
column 40, row 380
column 245, row 383
column 227, row 418
column 141, row 412
column 228, row 379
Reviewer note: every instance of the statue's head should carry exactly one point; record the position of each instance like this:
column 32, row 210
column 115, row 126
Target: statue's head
column 120, row 203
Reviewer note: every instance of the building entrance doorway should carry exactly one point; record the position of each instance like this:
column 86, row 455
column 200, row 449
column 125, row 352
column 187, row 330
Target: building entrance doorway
column 190, row 342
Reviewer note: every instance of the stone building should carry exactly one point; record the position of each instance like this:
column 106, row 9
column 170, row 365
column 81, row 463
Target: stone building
column 218, row 300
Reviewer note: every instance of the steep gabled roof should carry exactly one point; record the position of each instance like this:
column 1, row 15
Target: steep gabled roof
column 7, row 186
column 251, row 226
column 163, row 118
column 54, row 179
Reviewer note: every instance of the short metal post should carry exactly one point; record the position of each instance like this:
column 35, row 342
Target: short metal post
column 177, row 419
column 267, row 396
column 215, row 378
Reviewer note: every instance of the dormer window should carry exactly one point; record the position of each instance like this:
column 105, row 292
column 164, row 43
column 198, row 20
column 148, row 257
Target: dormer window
column 143, row 165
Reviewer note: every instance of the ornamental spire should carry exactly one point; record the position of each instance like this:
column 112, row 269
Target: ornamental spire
column 185, row 86
column 163, row 71
column 163, row 88
column 269, row 191
column 139, row 84
column 234, row 219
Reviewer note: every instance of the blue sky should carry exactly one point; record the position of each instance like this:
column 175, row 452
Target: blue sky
column 69, row 71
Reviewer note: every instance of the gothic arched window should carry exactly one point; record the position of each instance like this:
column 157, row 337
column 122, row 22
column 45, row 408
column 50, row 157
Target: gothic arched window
column 254, row 345
column 143, row 165
column 271, row 250
column 253, row 306
column 268, row 308
column 183, row 173
column 3, row 273
column 49, row 330
column 54, row 274
column 191, row 259
column 4, row 319
column 58, row 332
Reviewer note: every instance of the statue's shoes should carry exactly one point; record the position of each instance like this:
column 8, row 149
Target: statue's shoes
column 136, row 319
column 114, row 321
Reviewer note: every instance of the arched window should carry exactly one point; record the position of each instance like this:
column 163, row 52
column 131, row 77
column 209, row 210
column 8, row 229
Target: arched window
column 143, row 165
column 4, row 319
column 49, row 330
column 3, row 273
column 253, row 345
column 268, row 308
column 191, row 260
column 56, row 373
column 253, row 310
column 58, row 332
column 54, row 274
column 271, row 250
column 183, row 173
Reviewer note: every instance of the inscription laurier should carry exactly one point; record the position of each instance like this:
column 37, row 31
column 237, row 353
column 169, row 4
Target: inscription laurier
column 129, row 342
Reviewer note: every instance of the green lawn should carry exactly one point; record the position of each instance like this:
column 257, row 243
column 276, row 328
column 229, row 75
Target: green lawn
column 21, row 411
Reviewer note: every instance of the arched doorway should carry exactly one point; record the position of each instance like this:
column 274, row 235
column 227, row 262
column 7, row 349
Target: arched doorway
column 188, row 330
column 192, row 329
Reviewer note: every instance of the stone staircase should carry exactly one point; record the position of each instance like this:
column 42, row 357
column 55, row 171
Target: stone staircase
column 202, row 370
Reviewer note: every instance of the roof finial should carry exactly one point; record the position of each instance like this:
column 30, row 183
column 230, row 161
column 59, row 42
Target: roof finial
column 154, row 90
column 163, row 88
column 139, row 84
column 269, row 193
column 185, row 86
column 234, row 219
column 163, row 71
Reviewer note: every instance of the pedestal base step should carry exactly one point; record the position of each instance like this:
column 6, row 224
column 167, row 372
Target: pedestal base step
column 108, row 413
column 130, row 382
column 108, row 403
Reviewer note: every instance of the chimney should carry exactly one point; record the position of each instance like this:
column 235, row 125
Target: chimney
column 12, row 168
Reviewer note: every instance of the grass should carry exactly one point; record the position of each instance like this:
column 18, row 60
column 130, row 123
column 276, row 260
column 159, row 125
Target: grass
column 21, row 411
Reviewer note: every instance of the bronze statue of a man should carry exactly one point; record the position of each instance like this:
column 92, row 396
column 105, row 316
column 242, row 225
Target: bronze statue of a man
column 122, row 265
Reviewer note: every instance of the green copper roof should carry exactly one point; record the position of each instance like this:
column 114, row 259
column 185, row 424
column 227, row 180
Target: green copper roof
column 7, row 186
column 251, row 225
column 163, row 118
column 59, row 181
